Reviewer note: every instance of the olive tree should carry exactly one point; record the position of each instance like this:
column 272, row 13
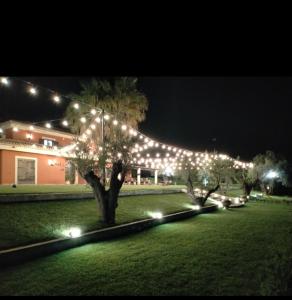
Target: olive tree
column 270, row 169
column 208, row 178
column 267, row 170
column 105, row 115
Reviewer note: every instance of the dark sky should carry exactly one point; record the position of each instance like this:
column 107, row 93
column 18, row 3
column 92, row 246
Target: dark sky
column 246, row 115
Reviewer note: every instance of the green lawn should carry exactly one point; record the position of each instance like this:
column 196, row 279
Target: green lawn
column 245, row 251
column 67, row 188
column 23, row 223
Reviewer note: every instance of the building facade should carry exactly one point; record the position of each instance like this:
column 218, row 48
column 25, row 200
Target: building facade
column 30, row 155
column 37, row 155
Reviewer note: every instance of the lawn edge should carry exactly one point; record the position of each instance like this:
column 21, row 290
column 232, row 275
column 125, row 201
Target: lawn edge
column 25, row 253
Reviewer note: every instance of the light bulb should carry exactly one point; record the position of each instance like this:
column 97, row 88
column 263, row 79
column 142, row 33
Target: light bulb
column 56, row 99
column 33, row 91
column 4, row 80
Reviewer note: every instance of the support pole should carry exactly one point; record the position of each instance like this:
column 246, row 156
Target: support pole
column 103, row 147
column 156, row 177
column 139, row 176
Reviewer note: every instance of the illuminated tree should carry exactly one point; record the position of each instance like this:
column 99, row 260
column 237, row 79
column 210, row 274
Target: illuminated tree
column 247, row 178
column 105, row 115
column 269, row 169
column 207, row 178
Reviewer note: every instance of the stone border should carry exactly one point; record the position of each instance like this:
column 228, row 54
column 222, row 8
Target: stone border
column 25, row 253
column 19, row 198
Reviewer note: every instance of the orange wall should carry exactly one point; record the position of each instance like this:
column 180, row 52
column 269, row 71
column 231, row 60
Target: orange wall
column 81, row 180
column 20, row 135
column 45, row 174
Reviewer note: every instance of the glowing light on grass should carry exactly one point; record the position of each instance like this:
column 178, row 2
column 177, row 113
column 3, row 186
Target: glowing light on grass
column 73, row 232
column 237, row 200
column 193, row 207
column 155, row 215
column 218, row 203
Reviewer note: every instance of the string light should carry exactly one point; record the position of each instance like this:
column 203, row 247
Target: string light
column 31, row 127
column 93, row 111
column 48, row 125
column 56, row 99
column 33, row 91
column 4, row 80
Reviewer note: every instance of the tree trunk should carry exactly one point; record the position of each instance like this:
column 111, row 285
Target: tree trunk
column 100, row 194
column 198, row 200
column 107, row 200
column 247, row 188
column 209, row 193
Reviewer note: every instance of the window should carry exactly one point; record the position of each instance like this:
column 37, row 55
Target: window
column 48, row 143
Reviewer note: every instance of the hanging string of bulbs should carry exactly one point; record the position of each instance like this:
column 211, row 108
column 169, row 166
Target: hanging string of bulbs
column 173, row 155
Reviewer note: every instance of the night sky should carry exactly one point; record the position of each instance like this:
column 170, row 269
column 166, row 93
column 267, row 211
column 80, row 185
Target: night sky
column 236, row 115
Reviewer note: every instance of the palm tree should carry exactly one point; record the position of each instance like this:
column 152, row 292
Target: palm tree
column 119, row 98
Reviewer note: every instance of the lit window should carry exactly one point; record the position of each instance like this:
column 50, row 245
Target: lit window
column 48, row 143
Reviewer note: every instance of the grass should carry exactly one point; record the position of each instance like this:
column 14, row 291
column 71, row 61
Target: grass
column 67, row 188
column 24, row 223
column 245, row 251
